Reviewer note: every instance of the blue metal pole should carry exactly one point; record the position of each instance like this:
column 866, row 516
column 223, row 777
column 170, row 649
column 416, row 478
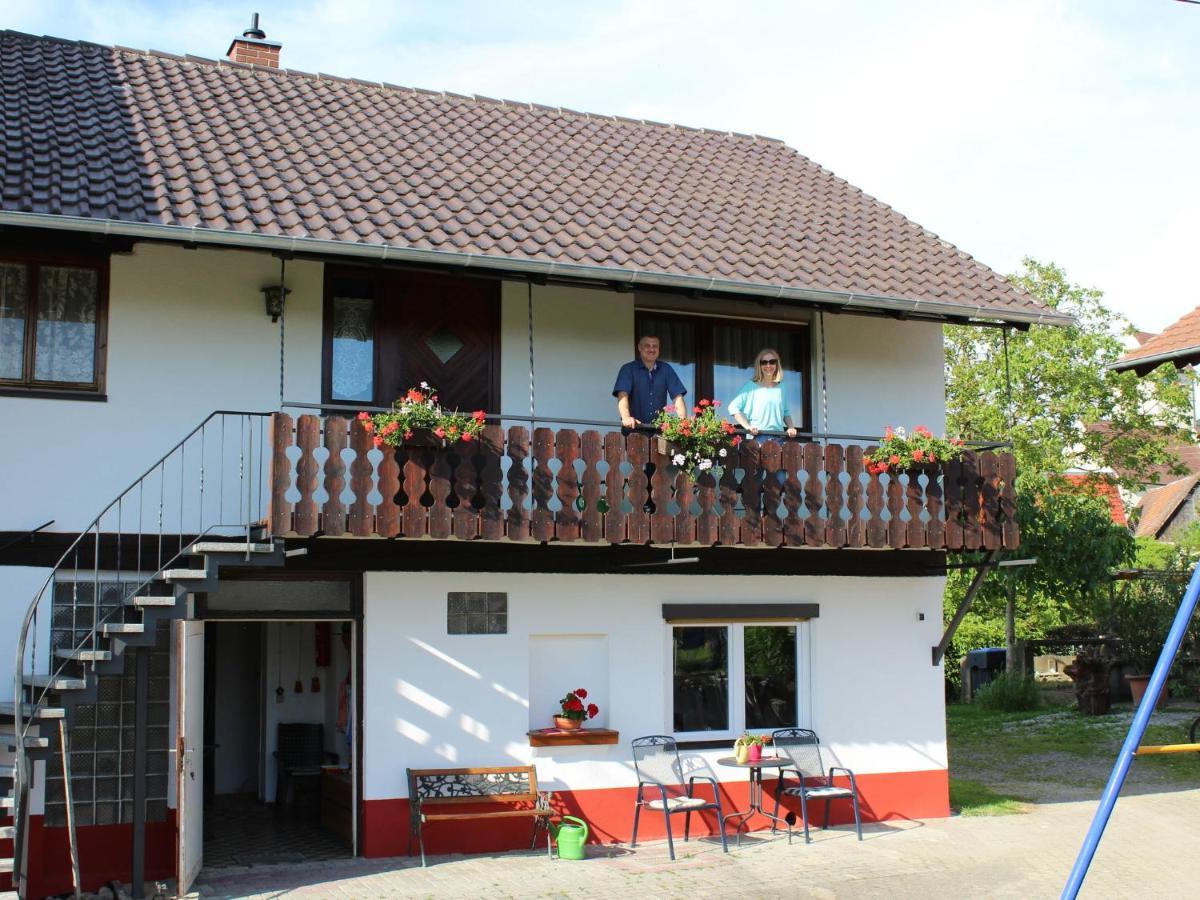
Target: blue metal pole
column 1137, row 728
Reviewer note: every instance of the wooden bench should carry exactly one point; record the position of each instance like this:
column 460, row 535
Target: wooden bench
column 446, row 788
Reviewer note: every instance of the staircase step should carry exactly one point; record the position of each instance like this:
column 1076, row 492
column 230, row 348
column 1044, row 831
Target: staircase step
column 9, row 739
column 6, row 865
column 219, row 547
column 185, row 575
column 55, row 682
column 7, row 803
column 151, row 600
column 123, row 628
column 28, row 711
column 7, row 772
column 84, row 655
column 7, row 833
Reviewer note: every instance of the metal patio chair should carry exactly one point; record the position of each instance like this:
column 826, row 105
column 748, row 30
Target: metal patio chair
column 656, row 760
column 803, row 749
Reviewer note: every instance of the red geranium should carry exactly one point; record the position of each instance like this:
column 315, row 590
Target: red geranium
column 573, row 708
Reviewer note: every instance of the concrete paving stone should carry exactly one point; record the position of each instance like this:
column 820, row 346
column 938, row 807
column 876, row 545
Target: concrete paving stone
column 1148, row 851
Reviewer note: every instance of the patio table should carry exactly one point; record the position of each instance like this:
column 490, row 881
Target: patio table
column 756, row 767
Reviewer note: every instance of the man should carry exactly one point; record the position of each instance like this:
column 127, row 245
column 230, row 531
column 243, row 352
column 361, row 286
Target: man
column 644, row 386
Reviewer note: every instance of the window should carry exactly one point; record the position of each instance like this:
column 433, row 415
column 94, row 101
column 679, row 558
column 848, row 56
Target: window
column 715, row 357
column 52, row 326
column 727, row 679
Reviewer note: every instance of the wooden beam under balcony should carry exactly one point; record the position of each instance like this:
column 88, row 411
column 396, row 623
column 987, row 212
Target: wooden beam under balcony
column 580, row 488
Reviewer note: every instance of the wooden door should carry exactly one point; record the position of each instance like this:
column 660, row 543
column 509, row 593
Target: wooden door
column 422, row 327
column 189, row 743
column 442, row 330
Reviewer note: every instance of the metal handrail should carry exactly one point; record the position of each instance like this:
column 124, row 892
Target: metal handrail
column 22, row 724
column 343, row 408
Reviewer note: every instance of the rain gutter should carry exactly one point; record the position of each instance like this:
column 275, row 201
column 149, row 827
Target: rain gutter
column 1188, row 354
column 533, row 268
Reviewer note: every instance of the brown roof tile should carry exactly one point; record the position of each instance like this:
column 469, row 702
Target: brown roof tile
column 1179, row 343
column 1159, row 505
column 102, row 132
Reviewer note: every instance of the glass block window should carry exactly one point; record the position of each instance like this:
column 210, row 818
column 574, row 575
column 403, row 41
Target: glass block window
column 476, row 612
column 101, row 736
column 50, row 326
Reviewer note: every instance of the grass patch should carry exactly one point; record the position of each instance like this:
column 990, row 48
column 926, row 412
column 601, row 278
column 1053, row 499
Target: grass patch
column 973, row 798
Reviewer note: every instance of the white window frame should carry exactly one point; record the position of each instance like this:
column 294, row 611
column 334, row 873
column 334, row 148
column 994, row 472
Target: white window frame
column 737, row 678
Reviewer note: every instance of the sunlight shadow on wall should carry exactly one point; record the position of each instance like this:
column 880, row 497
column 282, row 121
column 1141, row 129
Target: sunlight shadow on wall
column 449, row 660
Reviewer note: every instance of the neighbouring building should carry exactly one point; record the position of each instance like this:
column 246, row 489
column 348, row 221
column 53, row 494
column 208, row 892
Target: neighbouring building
column 208, row 267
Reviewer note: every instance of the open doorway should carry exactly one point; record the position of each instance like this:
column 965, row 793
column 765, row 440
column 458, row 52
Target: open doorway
column 278, row 753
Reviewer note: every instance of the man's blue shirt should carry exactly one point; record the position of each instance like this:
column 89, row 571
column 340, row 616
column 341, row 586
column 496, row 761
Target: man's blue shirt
column 649, row 390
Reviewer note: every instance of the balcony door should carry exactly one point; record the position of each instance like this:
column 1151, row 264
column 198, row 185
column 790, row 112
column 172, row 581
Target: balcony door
column 387, row 331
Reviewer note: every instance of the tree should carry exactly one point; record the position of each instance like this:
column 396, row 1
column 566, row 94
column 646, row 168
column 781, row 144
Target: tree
column 1065, row 409
column 1062, row 389
column 1070, row 531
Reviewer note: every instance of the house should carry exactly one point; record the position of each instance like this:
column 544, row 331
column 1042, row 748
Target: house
column 1166, row 511
column 208, row 267
column 1178, row 344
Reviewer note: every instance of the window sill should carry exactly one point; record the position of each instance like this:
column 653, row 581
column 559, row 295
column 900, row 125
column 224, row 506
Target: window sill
column 44, row 394
column 555, row 737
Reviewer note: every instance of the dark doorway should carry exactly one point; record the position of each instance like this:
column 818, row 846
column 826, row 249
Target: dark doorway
column 267, row 685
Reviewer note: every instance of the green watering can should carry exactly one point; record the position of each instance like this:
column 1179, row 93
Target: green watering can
column 570, row 838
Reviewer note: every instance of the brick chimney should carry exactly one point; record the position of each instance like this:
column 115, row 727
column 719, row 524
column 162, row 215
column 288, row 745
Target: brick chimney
column 253, row 47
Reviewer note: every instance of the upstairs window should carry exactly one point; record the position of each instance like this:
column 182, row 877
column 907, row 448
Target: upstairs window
column 52, row 326
column 715, row 357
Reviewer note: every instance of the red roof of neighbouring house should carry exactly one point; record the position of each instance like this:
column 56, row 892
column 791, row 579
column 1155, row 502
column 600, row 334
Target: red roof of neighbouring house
column 1160, row 505
column 107, row 133
column 1103, row 487
column 1178, row 344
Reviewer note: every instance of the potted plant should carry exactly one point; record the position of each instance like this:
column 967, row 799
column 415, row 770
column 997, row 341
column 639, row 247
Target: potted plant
column 574, row 713
column 749, row 747
column 922, row 451
column 418, row 419
column 698, row 443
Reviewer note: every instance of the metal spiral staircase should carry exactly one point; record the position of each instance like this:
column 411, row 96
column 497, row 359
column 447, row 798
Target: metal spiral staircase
column 199, row 509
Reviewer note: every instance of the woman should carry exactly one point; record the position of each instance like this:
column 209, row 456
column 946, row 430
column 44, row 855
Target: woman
column 761, row 404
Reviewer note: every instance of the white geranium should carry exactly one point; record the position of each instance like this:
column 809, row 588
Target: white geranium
column 705, row 465
column 722, row 453
column 678, row 459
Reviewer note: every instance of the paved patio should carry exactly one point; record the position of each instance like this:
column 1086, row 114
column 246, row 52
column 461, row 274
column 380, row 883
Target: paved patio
column 1149, row 850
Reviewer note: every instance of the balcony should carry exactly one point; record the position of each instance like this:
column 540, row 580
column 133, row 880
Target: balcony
column 591, row 487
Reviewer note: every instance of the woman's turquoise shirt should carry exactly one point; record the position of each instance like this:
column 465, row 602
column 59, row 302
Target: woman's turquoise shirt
column 764, row 406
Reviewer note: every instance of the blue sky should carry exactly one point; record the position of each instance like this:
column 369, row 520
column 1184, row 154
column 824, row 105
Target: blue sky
column 1064, row 130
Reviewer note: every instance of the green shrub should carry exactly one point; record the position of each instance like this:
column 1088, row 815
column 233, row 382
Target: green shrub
column 1009, row 693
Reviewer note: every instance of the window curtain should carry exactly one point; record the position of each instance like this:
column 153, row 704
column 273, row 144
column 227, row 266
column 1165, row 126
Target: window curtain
column 12, row 321
column 66, row 325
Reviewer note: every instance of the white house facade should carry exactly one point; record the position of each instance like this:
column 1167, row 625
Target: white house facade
column 221, row 561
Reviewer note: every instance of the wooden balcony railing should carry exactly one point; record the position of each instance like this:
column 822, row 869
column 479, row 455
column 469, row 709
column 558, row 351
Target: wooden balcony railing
column 592, row 487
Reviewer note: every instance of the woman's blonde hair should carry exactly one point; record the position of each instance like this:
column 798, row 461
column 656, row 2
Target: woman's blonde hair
column 758, row 372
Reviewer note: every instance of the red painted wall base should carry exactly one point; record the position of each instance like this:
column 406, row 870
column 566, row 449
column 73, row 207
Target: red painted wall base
column 609, row 814
column 105, row 853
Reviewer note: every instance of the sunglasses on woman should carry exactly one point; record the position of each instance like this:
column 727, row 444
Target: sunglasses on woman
column 769, row 362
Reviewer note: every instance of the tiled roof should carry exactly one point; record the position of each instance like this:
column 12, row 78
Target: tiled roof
column 1179, row 343
column 1160, row 505
column 109, row 133
column 1103, row 487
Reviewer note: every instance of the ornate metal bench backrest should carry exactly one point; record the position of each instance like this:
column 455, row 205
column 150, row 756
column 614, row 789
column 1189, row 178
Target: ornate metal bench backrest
column 508, row 784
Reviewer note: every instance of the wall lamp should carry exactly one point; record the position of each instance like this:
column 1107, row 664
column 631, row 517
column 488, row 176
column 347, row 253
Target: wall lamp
column 274, row 296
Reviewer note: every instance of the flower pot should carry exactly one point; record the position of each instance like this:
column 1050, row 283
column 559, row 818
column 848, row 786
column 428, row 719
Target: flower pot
column 565, row 723
column 1137, row 687
column 755, row 753
column 423, row 437
column 741, row 752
